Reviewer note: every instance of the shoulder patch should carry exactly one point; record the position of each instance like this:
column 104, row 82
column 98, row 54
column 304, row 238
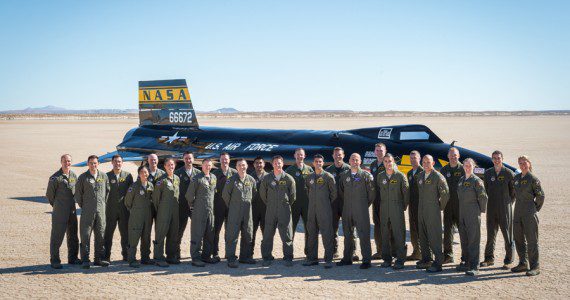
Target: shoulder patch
column 53, row 178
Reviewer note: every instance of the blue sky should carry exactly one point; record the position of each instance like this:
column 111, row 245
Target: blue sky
column 268, row 55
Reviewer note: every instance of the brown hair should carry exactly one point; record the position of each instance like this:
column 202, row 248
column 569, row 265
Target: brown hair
column 497, row 152
column 526, row 158
column 470, row 160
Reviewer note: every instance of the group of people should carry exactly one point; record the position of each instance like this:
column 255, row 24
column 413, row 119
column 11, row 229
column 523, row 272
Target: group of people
column 278, row 200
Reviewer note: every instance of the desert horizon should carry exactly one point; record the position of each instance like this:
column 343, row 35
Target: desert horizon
column 32, row 149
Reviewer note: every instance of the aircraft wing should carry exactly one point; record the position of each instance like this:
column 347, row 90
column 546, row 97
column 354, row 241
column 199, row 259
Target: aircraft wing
column 127, row 156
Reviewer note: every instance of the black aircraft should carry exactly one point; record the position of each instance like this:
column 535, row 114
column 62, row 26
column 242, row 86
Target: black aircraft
column 168, row 127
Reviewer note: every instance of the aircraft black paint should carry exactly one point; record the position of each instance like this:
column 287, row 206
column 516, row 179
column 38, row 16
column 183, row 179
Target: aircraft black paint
column 161, row 135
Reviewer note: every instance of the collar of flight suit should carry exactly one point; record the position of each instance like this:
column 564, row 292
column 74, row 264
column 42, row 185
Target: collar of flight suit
column 254, row 174
column 99, row 174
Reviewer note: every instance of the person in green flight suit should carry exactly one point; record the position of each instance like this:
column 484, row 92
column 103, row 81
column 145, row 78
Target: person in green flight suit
column 394, row 191
column 472, row 202
column 433, row 196
column 139, row 201
column 277, row 190
column 357, row 185
column 258, row 208
column 336, row 169
column 530, row 199
column 91, row 194
column 165, row 200
column 321, row 188
column 186, row 174
column 220, row 208
column 116, row 210
column 300, row 171
column 59, row 192
column 154, row 174
column 452, row 173
column 238, row 193
column 500, row 188
column 415, row 158
column 200, row 196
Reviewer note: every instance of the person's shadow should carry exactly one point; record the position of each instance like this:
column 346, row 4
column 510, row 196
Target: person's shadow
column 352, row 274
column 40, row 199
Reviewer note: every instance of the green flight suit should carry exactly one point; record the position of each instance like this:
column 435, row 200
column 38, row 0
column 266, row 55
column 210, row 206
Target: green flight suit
column 116, row 212
column 165, row 200
column 139, row 201
column 359, row 193
column 59, row 193
column 451, row 212
column 153, row 179
column 530, row 198
column 91, row 194
column 394, row 192
column 472, row 202
column 413, row 210
column 433, row 196
column 184, row 210
column 200, row 196
column 258, row 208
column 376, row 168
column 500, row 189
column 238, row 194
column 338, row 204
column 279, row 196
column 301, row 206
column 220, row 207
column 322, row 193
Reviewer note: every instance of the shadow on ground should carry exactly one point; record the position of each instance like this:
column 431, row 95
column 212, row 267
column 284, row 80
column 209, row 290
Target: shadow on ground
column 352, row 274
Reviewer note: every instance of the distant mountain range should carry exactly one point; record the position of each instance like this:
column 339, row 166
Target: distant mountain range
column 50, row 109
column 54, row 110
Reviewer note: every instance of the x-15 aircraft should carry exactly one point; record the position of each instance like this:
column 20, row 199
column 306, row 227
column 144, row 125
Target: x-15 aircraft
column 168, row 127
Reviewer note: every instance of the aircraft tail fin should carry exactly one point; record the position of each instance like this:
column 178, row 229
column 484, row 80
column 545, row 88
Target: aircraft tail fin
column 166, row 102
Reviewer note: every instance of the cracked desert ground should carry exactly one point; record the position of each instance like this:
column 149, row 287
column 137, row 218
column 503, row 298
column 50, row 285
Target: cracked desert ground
column 30, row 154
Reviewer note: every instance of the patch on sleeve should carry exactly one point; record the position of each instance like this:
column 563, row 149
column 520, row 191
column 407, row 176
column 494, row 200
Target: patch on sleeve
column 228, row 181
column 159, row 183
column 52, row 178
column 130, row 189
